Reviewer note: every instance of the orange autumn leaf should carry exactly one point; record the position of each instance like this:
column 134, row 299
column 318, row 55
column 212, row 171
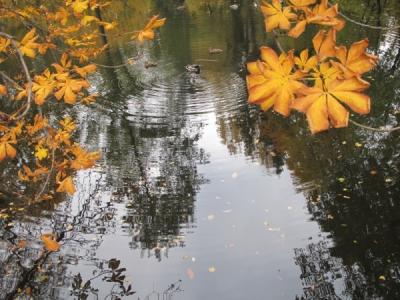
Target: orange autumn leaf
column 28, row 44
column 321, row 15
column 276, row 17
column 277, row 85
column 304, row 62
column 321, row 104
column 325, row 47
column 356, row 62
column 69, row 88
column 43, row 86
column 7, row 150
column 147, row 33
column 324, row 73
column 67, row 185
column 84, row 159
column 65, row 65
column 50, row 242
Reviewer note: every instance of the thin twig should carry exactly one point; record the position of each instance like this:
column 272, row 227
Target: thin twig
column 375, row 129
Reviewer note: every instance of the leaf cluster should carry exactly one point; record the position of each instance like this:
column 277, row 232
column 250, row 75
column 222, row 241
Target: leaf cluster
column 66, row 27
column 324, row 85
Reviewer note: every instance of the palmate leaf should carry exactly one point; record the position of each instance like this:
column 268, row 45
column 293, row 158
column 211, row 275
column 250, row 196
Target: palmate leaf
column 276, row 17
column 69, row 88
column 147, row 33
column 28, row 44
column 321, row 15
column 323, row 105
column 356, row 62
column 67, row 185
column 50, row 242
column 275, row 85
column 43, row 86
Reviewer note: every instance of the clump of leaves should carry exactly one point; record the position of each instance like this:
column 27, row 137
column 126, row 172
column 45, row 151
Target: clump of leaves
column 66, row 80
column 323, row 86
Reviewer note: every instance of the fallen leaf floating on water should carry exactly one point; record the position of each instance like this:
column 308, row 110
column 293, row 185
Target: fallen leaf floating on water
column 382, row 277
column 373, row 172
column 231, row 245
column 266, row 223
column 289, row 207
column 50, row 242
column 358, row 144
column 226, row 211
column 210, row 217
column 212, row 269
column 186, row 256
column 193, row 259
column 235, row 175
column 190, row 273
column 388, row 180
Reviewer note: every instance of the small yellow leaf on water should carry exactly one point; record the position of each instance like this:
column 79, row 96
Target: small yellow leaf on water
column 256, row 141
column 186, row 256
column 10, row 224
column 212, row 269
column 289, row 207
column 190, row 273
column 235, row 175
column 164, row 184
column 266, row 223
column 382, row 277
column 70, row 226
column 388, row 180
column 231, row 245
column 193, row 259
column 373, row 172
column 358, row 144
column 175, row 240
column 210, row 217
column 226, row 211
column 344, row 142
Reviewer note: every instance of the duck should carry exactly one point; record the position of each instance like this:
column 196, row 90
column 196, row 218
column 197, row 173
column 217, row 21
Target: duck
column 149, row 64
column 193, row 69
column 214, row 51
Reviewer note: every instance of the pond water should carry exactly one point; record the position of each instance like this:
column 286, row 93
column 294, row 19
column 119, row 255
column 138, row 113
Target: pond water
column 200, row 195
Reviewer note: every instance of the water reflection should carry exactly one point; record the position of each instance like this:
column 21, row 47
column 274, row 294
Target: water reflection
column 145, row 208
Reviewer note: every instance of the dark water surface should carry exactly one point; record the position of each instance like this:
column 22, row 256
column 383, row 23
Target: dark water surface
column 200, row 195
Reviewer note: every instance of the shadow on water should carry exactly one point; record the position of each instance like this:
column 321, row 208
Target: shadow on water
column 200, row 195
